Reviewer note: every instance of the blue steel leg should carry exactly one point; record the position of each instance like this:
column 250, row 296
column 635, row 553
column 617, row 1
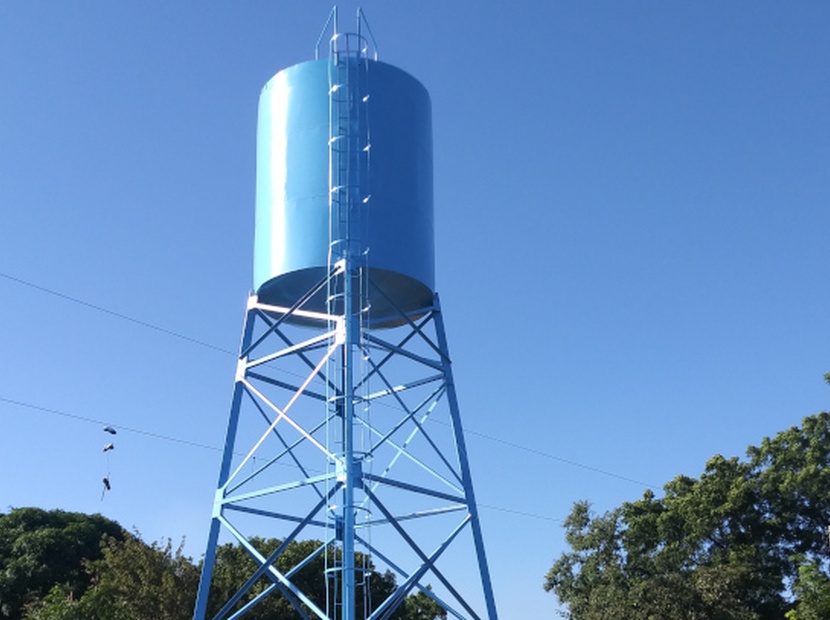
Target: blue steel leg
column 230, row 439
column 351, row 327
column 464, row 464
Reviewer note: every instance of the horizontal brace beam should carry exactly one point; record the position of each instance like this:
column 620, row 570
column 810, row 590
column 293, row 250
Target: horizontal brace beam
column 279, row 488
column 417, row 489
column 287, row 386
column 420, row 514
column 303, row 314
column 274, row 515
column 437, row 365
column 401, row 388
column 315, row 342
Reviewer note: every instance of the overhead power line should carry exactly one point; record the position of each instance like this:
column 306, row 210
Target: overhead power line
column 521, row 513
column 201, row 343
column 119, row 315
column 81, row 418
column 548, row 455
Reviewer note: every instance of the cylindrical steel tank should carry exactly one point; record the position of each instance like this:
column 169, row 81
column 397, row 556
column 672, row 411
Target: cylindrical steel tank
column 292, row 191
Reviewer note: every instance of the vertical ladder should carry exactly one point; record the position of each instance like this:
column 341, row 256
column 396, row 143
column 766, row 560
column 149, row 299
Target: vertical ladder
column 348, row 199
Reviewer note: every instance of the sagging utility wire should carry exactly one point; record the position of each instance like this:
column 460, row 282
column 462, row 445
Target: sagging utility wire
column 222, row 350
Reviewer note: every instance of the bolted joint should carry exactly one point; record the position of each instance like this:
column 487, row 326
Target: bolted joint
column 352, row 475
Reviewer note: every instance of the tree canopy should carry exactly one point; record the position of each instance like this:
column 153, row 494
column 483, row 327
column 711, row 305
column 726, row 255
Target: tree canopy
column 747, row 540
column 40, row 548
column 69, row 566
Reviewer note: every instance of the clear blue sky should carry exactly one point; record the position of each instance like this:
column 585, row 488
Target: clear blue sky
column 632, row 232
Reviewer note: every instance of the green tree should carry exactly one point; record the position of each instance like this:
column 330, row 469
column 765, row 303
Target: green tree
column 420, row 606
column 132, row 581
column 60, row 604
column 154, row 582
column 233, row 565
column 66, row 566
column 725, row 546
column 40, row 548
column 813, row 591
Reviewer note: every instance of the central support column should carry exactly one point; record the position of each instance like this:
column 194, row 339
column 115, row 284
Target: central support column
column 352, row 327
column 348, row 170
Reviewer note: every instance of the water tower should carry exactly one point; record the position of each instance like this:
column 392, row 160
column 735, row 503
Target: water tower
column 344, row 425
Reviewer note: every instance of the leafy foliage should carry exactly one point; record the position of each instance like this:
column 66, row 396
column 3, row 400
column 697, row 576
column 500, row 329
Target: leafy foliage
column 232, row 561
column 373, row 587
column 66, row 566
column 60, row 604
column 812, row 587
column 735, row 544
column 132, row 581
column 40, row 548
column 420, row 607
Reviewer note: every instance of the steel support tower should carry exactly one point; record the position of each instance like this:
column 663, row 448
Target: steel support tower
column 344, row 427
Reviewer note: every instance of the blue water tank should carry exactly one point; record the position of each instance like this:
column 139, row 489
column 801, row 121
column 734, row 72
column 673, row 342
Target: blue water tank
column 292, row 193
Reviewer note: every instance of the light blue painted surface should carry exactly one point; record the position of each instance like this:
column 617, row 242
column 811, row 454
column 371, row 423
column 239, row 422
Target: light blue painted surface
column 292, row 209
